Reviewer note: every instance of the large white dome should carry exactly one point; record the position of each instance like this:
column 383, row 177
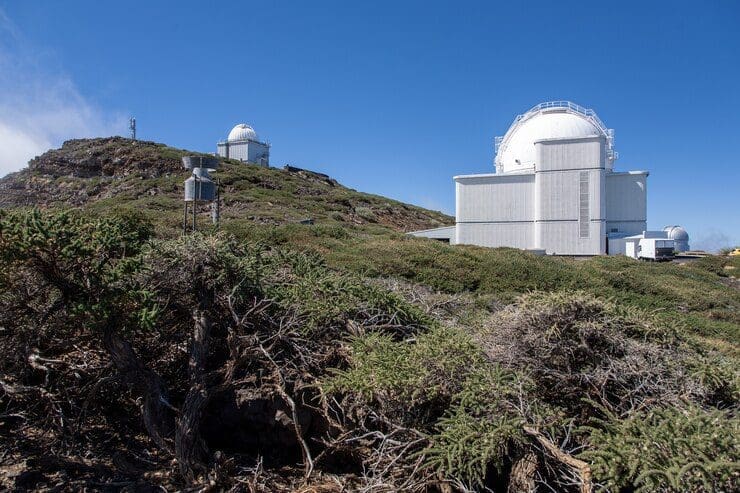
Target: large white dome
column 551, row 120
column 242, row 132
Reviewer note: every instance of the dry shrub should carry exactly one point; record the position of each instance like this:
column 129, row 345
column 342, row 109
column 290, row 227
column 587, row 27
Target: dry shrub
column 124, row 354
column 579, row 349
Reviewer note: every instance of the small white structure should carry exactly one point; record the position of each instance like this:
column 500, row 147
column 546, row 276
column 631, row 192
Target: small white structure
column 442, row 234
column 554, row 188
column 679, row 236
column 649, row 245
column 244, row 144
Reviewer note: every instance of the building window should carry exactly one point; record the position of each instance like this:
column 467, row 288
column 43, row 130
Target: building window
column 583, row 217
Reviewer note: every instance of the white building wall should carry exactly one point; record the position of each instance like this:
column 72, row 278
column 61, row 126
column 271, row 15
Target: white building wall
column 494, row 198
column 563, row 238
column 516, row 235
column 495, row 210
column 238, row 150
column 568, row 222
column 617, row 246
column 257, row 153
column 626, row 202
column 247, row 151
column 565, row 154
column 222, row 149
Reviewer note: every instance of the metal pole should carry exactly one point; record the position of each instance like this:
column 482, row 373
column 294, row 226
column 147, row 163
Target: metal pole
column 185, row 219
column 195, row 199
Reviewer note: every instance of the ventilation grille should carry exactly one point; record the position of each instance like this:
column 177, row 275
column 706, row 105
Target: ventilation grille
column 583, row 222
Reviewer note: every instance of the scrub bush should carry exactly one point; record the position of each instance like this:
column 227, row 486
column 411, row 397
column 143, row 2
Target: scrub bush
column 666, row 449
column 580, row 349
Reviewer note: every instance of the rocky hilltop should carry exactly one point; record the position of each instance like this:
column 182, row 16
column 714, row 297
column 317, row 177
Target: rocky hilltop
column 114, row 172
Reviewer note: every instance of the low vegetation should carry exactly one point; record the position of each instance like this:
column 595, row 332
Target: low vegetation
column 343, row 355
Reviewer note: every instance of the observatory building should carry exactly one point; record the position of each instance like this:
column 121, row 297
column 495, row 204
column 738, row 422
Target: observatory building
column 554, row 188
column 244, row 145
column 679, row 236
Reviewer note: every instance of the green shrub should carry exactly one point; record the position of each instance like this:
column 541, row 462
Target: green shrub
column 328, row 298
column 680, row 296
column 408, row 374
column 330, row 231
column 366, row 213
column 482, row 430
column 714, row 264
column 666, row 449
column 441, row 383
column 87, row 264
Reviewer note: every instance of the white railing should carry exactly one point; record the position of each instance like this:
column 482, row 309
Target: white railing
column 497, row 143
column 500, row 143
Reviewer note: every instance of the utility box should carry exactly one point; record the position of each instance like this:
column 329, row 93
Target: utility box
column 199, row 188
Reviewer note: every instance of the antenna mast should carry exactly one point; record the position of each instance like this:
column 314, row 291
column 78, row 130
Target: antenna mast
column 132, row 127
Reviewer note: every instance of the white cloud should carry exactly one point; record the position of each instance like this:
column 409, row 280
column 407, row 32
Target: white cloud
column 16, row 147
column 40, row 107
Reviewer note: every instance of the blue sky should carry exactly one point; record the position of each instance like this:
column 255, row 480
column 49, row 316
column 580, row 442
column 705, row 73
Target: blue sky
column 392, row 98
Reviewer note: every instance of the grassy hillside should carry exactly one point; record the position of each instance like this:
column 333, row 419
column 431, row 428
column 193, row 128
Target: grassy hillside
column 700, row 297
column 118, row 173
column 360, row 232
column 343, row 355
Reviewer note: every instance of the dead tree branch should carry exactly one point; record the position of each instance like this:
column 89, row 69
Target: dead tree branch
column 190, row 449
column 581, row 467
column 307, row 461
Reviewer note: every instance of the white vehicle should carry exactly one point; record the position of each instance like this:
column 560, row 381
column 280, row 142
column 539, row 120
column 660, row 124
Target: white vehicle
column 649, row 245
column 655, row 249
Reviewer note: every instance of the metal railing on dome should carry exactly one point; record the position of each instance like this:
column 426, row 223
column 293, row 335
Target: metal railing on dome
column 500, row 143
column 497, row 142
column 587, row 112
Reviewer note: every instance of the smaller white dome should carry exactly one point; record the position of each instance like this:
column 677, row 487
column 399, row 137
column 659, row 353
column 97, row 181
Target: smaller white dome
column 676, row 233
column 242, row 132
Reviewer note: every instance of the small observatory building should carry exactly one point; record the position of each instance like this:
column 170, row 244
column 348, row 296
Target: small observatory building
column 244, row 144
column 554, row 189
column 679, row 236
